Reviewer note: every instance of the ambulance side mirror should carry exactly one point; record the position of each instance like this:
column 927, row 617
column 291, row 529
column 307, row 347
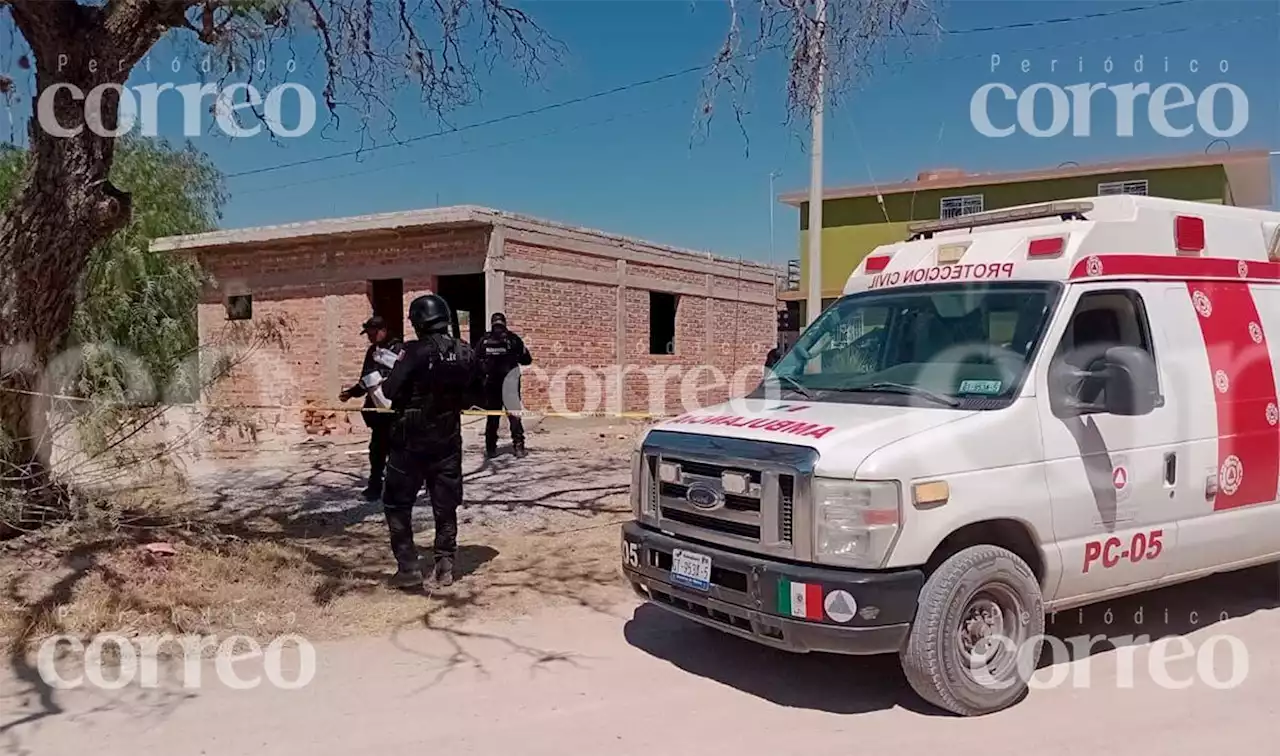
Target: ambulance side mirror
column 1132, row 386
column 1126, row 376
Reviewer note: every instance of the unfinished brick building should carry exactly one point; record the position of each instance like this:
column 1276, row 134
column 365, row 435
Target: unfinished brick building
column 614, row 306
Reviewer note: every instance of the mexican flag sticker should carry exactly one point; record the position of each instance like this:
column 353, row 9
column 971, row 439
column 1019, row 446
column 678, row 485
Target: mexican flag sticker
column 802, row 600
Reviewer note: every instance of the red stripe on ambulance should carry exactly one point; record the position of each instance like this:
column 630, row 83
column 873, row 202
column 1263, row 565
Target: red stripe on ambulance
column 1244, row 393
column 1163, row 266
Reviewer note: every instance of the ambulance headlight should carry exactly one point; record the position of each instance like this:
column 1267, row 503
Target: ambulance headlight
column 855, row 522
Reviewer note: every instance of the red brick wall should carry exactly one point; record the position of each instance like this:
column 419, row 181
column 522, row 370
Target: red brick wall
column 322, row 349
column 566, row 324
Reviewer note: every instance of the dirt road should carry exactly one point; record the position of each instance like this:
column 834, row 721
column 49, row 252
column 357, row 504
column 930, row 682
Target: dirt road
column 636, row 681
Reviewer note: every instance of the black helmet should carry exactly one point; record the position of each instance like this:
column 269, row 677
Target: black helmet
column 429, row 313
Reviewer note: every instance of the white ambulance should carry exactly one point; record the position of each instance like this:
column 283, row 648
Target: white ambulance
column 1009, row 414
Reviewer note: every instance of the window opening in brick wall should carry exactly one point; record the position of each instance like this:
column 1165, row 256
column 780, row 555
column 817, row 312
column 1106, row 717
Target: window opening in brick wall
column 240, row 307
column 662, row 322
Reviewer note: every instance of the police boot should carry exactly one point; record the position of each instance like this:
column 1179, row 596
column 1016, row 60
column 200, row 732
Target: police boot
column 442, row 575
column 490, row 449
column 519, row 449
column 400, row 526
column 407, row 579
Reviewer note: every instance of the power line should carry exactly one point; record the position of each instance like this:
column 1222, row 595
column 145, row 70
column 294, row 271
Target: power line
column 1115, row 38
column 1070, row 19
column 667, row 77
column 477, row 124
column 479, row 148
column 578, row 126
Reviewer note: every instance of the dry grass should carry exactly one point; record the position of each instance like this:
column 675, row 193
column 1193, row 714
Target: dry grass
column 277, row 572
column 265, row 589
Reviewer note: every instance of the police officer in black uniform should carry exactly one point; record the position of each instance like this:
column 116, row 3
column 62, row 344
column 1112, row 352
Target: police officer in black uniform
column 435, row 380
column 501, row 353
column 384, row 349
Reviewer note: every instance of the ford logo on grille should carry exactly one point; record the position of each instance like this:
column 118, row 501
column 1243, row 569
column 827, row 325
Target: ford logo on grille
column 702, row 496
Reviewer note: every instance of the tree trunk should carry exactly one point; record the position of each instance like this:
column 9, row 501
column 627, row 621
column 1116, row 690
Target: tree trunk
column 64, row 206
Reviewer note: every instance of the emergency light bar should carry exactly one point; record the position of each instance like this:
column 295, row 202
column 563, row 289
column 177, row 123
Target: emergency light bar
column 1064, row 210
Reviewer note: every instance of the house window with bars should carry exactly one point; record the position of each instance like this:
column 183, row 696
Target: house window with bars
column 952, row 207
column 1138, row 186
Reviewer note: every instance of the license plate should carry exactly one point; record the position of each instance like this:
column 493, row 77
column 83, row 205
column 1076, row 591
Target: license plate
column 691, row 570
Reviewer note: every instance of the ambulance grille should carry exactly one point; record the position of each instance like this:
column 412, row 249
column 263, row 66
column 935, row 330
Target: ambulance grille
column 766, row 518
column 786, row 508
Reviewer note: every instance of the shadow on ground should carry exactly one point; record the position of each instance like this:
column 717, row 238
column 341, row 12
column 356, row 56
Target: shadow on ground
column 309, row 514
column 855, row 685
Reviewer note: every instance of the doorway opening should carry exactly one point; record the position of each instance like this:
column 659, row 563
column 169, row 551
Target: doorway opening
column 662, row 322
column 386, row 297
column 465, row 295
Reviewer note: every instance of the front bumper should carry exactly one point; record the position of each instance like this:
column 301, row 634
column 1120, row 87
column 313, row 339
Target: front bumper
column 748, row 594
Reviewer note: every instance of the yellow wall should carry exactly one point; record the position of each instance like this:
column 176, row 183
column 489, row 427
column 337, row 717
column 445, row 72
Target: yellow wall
column 852, row 228
column 843, row 247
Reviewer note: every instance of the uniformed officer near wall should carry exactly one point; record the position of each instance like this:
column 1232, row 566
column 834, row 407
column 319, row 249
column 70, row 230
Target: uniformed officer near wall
column 383, row 352
column 437, row 378
column 502, row 353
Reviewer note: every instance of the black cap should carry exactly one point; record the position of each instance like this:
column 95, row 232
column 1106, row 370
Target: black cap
column 497, row 318
column 373, row 324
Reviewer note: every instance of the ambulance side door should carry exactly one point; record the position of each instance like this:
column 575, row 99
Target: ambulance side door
column 1112, row 478
column 1225, row 369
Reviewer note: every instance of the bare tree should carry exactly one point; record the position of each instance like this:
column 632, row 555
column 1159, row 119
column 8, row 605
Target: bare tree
column 856, row 37
column 66, row 204
column 370, row 50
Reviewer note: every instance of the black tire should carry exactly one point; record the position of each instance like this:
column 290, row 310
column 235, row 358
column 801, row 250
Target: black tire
column 936, row 661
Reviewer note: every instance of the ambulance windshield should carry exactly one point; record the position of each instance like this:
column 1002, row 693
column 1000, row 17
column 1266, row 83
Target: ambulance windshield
column 961, row 345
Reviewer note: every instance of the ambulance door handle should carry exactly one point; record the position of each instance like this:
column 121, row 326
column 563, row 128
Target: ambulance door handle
column 1170, row 468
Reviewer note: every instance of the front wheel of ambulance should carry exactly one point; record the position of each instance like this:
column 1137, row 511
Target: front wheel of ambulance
column 977, row 634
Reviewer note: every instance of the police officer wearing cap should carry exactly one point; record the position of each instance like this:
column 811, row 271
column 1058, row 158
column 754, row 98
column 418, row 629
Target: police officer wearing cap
column 437, row 378
column 383, row 352
column 502, row 353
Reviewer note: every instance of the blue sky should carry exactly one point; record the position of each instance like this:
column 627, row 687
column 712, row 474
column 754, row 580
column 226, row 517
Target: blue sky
column 625, row 162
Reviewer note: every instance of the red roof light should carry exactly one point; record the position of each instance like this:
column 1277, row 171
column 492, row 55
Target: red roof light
column 1188, row 233
column 1050, row 247
column 877, row 263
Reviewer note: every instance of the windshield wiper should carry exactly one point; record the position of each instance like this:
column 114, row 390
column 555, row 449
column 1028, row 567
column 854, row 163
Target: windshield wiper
column 795, row 385
column 889, row 387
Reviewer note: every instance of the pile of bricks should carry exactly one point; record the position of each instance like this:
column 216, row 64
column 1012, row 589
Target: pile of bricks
column 325, row 422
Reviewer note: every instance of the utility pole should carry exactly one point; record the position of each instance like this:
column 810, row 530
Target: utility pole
column 772, row 201
column 815, row 166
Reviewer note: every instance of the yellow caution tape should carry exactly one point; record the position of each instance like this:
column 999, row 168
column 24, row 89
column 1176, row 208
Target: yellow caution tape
column 323, row 409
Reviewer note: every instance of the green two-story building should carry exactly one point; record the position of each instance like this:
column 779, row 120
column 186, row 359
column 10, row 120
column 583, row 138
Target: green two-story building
column 857, row 219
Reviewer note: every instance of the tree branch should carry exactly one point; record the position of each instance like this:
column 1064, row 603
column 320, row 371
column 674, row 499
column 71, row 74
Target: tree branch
column 854, row 39
column 47, row 25
column 134, row 26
